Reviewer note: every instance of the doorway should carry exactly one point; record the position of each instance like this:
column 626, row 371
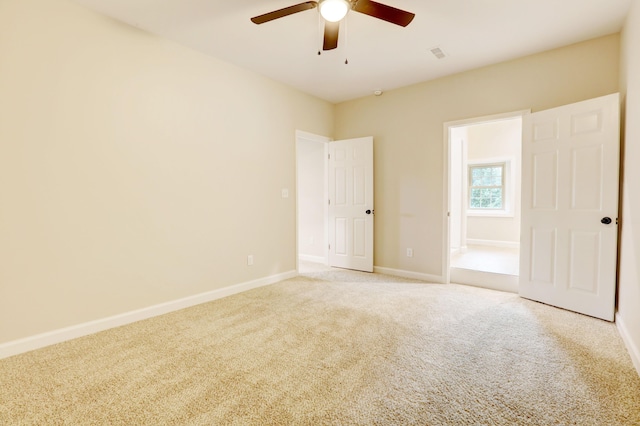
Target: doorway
column 484, row 181
column 334, row 201
column 311, row 196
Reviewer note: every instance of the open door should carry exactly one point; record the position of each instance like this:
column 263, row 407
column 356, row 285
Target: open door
column 351, row 204
column 569, row 231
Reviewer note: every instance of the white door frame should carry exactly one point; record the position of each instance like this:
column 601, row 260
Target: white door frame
column 302, row 135
column 461, row 220
column 446, row 201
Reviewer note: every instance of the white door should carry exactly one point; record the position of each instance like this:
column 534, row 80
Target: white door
column 351, row 204
column 569, row 232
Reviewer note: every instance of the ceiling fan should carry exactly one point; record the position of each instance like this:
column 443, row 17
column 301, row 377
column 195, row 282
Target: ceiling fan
column 334, row 10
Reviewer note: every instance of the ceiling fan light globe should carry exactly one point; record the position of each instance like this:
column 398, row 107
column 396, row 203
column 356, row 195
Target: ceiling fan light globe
column 333, row 10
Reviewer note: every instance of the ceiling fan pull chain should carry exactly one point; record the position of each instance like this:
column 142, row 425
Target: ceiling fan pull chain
column 320, row 33
column 346, row 40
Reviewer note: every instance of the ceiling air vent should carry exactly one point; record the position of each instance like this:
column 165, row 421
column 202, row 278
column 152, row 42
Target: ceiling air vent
column 438, row 53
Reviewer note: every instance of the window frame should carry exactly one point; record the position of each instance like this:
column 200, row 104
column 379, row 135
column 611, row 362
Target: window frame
column 508, row 185
column 502, row 185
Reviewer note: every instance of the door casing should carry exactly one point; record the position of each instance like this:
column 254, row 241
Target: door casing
column 302, row 135
column 504, row 283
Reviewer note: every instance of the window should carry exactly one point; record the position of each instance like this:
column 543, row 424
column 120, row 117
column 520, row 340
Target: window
column 487, row 186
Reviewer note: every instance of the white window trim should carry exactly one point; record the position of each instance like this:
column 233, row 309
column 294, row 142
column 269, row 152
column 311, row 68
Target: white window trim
column 509, row 186
column 502, row 186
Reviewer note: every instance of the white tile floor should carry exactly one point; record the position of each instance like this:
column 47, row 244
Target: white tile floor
column 488, row 259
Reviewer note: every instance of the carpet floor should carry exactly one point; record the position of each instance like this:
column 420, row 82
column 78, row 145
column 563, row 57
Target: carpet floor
column 335, row 347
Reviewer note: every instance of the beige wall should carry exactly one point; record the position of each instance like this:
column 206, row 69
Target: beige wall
column 629, row 278
column 407, row 125
column 134, row 171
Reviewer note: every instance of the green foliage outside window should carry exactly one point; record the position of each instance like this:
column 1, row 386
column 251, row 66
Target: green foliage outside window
column 486, row 187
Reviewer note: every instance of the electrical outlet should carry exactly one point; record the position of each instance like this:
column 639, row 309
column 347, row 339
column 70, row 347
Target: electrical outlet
column 409, row 252
column 250, row 260
column 285, row 193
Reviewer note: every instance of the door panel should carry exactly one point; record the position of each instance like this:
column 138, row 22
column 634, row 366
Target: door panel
column 350, row 197
column 586, row 188
column 545, row 181
column 570, row 182
column 543, row 248
column 583, row 272
column 545, row 130
column 359, row 237
column 359, row 187
column 340, row 186
column 340, row 236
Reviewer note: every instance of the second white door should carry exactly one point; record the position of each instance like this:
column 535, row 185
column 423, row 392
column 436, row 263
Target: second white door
column 351, row 210
column 569, row 233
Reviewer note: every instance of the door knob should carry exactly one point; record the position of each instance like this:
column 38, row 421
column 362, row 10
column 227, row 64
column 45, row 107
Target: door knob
column 606, row 220
column 369, row 211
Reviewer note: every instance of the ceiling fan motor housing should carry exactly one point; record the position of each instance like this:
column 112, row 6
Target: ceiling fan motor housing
column 334, row 10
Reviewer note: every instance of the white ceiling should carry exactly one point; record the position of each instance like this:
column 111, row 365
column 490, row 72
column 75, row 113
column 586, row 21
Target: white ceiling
column 473, row 33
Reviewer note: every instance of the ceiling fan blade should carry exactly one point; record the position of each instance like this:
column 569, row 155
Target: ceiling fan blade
column 280, row 13
column 384, row 12
column 331, row 30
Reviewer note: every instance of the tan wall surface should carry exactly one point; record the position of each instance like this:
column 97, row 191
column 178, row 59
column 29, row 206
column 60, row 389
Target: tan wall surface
column 407, row 126
column 134, row 171
column 629, row 278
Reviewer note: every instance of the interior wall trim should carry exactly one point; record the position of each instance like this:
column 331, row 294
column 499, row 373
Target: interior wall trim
column 409, row 274
column 16, row 347
column 493, row 243
column 314, row 259
column 492, row 281
column 633, row 349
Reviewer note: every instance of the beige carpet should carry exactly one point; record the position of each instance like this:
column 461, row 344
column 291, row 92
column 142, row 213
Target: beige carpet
column 339, row 348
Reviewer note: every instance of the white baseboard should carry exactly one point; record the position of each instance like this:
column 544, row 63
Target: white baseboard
column 501, row 282
column 632, row 346
column 492, row 243
column 462, row 249
column 315, row 259
column 30, row 343
column 408, row 274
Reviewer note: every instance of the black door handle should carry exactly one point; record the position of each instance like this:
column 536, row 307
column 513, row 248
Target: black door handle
column 606, row 220
column 369, row 211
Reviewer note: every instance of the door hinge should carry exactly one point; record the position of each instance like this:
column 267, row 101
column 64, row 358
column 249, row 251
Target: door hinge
column 329, row 156
column 329, row 201
column 329, row 246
